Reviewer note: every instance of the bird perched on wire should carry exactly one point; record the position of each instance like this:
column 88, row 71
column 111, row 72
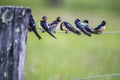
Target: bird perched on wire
column 55, row 25
column 66, row 26
column 45, row 26
column 32, row 27
column 101, row 27
column 81, row 27
column 85, row 23
column 86, row 26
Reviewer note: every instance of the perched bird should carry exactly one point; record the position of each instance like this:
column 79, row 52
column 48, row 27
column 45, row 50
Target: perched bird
column 100, row 28
column 45, row 26
column 44, row 18
column 81, row 27
column 86, row 26
column 65, row 26
column 55, row 25
column 32, row 27
column 85, row 23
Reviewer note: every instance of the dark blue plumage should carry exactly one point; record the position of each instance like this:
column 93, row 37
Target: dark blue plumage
column 81, row 27
column 101, row 27
column 45, row 26
column 65, row 26
column 32, row 27
column 87, row 27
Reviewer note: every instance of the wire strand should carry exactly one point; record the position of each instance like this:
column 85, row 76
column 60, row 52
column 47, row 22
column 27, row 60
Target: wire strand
column 111, row 32
column 97, row 76
column 106, row 32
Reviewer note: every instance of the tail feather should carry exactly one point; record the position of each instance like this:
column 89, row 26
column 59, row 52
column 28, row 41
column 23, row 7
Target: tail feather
column 38, row 36
column 51, row 34
column 72, row 29
column 76, row 31
column 85, row 32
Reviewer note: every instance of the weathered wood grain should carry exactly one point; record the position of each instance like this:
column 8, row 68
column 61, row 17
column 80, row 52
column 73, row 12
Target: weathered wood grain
column 13, row 37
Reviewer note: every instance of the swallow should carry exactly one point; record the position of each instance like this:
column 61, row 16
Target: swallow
column 81, row 27
column 85, row 23
column 101, row 27
column 45, row 26
column 32, row 27
column 86, row 26
column 65, row 26
column 54, row 26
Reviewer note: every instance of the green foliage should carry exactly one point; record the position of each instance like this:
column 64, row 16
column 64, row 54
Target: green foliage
column 77, row 5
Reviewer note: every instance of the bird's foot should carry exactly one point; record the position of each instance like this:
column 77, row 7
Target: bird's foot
column 43, row 31
column 89, row 35
column 66, row 32
column 54, row 31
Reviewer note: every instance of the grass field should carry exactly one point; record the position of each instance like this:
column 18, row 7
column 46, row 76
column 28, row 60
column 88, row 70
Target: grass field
column 71, row 56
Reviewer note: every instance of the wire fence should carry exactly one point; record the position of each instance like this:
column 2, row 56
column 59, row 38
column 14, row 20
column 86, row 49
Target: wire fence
column 97, row 77
column 106, row 32
column 111, row 32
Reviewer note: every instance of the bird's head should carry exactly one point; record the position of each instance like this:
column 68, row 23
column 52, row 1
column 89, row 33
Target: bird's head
column 31, row 16
column 86, row 21
column 104, row 22
column 77, row 20
column 59, row 19
column 44, row 18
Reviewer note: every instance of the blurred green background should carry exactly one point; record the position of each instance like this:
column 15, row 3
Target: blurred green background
column 72, row 56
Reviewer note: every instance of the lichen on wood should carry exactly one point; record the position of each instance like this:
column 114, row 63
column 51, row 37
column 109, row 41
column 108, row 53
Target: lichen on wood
column 13, row 37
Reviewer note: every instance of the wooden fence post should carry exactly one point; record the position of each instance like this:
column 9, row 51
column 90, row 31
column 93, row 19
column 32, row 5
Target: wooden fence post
column 13, row 37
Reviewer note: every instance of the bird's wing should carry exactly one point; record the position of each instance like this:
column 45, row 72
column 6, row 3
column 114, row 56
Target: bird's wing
column 45, row 27
column 51, row 34
column 72, row 29
column 36, row 33
column 80, row 27
column 98, row 27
